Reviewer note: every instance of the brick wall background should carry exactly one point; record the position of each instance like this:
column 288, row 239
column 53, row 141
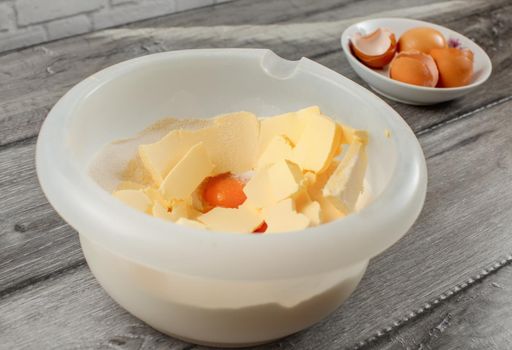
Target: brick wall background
column 27, row 22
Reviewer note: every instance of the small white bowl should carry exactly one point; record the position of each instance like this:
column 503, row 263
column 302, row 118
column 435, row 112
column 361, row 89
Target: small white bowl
column 220, row 288
column 379, row 80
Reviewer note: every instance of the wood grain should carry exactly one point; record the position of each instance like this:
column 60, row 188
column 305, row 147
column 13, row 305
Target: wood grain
column 48, row 298
column 464, row 227
column 34, row 240
column 468, row 321
column 33, row 79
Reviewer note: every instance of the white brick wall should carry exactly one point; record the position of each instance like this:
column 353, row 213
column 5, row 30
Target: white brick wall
column 28, row 22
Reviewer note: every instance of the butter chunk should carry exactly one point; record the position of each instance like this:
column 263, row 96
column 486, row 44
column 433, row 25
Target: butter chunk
column 351, row 135
column 181, row 209
column 160, row 157
column 235, row 144
column 178, row 210
column 282, row 217
column 328, row 210
column 156, row 196
column 231, row 143
column 190, row 223
column 136, row 199
column 301, row 199
column 237, row 220
column 290, row 125
column 346, row 183
column 314, row 149
column 312, row 210
column 159, row 211
column 258, row 191
column 188, row 174
column 285, row 179
column 316, row 182
column 278, row 149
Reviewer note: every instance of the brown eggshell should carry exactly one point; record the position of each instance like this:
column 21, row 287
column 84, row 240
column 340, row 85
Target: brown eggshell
column 422, row 39
column 414, row 67
column 455, row 66
column 376, row 49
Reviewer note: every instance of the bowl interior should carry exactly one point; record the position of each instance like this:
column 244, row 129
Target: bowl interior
column 481, row 64
column 123, row 99
column 135, row 95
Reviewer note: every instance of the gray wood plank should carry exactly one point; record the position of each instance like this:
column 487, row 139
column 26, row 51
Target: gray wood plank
column 480, row 318
column 283, row 11
column 464, row 227
column 78, row 315
column 34, row 240
column 33, row 79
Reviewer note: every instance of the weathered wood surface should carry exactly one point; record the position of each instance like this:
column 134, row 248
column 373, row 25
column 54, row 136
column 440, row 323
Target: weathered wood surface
column 33, row 79
column 457, row 325
column 461, row 231
column 48, row 299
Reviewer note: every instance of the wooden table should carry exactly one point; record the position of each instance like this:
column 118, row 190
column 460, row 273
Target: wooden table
column 446, row 285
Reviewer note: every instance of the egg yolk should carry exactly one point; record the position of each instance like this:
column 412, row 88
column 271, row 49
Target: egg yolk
column 262, row 228
column 224, row 191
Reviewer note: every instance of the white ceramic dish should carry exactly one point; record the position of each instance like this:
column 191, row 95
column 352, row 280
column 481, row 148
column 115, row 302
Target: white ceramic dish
column 379, row 80
column 220, row 288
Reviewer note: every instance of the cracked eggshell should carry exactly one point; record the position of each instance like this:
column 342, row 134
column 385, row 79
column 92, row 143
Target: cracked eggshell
column 422, row 39
column 414, row 67
column 455, row 66
column 376, row 49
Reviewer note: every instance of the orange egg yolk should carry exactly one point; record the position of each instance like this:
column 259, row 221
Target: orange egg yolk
column 224, row 191
column 262, row 228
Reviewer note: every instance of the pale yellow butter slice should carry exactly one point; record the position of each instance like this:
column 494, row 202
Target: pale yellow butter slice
column 258, row 191
column 346, row 183
column 285, row 179
column 315, row 185
column 188, row 174
column 278, row 149
column 190, row 223
column 290, row 125
column 179, row 209
column 237, row 220
column 156, row 196
column 160, row 157
column 315, row 182
column 136, row 199
column 231, row 143
column 313, row 211
column 314, row 150
column 235, row 144
column 282, row 217
column 328, row 211
column 159, row 211
column 301, row 198
column 351, row 135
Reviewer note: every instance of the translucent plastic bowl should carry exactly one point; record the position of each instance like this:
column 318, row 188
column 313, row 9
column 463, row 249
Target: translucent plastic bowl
column 220, row 288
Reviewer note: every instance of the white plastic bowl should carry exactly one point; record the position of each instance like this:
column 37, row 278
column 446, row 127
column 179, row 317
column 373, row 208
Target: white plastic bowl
column 221, row 288
column 379, row 80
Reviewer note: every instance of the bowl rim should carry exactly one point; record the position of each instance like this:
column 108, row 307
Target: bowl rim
column 345, row 40
column 405, row 191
